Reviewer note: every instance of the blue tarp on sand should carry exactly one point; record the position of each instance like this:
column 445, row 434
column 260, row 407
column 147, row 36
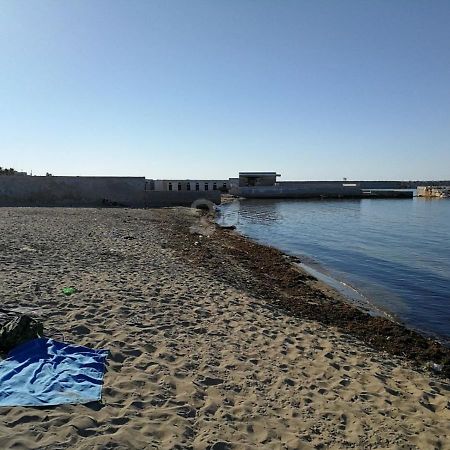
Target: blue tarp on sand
column 46, row 372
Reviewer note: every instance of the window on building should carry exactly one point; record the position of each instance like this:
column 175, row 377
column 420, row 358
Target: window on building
column 188, row 186
column 206, row 186
column 214, row 186
column 197, row 186
column 225, row 185
column 170, row 186
column 179, row 186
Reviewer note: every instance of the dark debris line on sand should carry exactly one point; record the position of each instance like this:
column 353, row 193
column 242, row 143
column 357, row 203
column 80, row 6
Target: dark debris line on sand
column 266, row 273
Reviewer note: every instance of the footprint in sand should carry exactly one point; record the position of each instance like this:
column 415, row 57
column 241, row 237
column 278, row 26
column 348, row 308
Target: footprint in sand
column 81, row 330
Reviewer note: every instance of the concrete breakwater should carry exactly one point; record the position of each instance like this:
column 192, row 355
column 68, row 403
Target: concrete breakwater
column 265, row 185
column 326, row 189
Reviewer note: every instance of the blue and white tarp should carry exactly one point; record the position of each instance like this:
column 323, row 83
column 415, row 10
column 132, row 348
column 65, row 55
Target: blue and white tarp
column 45, row 372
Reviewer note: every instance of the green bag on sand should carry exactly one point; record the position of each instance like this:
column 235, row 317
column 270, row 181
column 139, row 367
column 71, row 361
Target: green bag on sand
column 69, row 290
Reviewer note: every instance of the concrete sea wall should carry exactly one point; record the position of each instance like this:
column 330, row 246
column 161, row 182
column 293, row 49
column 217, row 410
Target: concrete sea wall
column 91, row 192
column 70, row 191
column 158, row 199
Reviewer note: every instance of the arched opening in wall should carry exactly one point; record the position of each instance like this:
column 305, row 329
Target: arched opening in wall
column 179, row 186
column 197, row 186
column 214, row 186
column 188, row 186
column 170, row 186
column 206, row 186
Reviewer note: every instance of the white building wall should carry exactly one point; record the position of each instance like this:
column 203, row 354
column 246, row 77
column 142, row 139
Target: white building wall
column 190, row 185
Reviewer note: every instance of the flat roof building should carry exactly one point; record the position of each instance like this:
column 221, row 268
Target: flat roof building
column 247, row 179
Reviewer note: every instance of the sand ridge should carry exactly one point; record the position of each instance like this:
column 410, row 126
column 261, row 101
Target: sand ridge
column 194, row 362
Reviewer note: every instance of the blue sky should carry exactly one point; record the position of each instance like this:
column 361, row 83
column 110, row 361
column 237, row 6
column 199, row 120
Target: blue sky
column 203, row 89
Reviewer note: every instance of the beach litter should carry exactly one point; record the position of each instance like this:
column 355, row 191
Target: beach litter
column 44, row 372
column 69, row 290
column 433, row 367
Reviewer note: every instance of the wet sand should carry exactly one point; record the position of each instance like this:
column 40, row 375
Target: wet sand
column 208, row 349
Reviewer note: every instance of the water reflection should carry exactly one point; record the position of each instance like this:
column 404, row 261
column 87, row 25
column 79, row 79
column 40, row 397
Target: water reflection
column 262, row 212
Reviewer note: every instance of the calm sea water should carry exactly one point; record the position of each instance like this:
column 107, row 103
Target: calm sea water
column 394, row 254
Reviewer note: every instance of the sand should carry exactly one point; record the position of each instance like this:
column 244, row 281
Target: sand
column 195, row 362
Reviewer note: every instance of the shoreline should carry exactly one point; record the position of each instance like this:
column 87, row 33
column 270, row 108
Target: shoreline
column 323, row 303
column 323, row 275
column 347, row 292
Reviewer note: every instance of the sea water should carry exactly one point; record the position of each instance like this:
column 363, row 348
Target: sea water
column 394, row 254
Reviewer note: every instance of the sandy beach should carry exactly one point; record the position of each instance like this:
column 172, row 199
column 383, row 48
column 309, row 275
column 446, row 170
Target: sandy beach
column 206, row 349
